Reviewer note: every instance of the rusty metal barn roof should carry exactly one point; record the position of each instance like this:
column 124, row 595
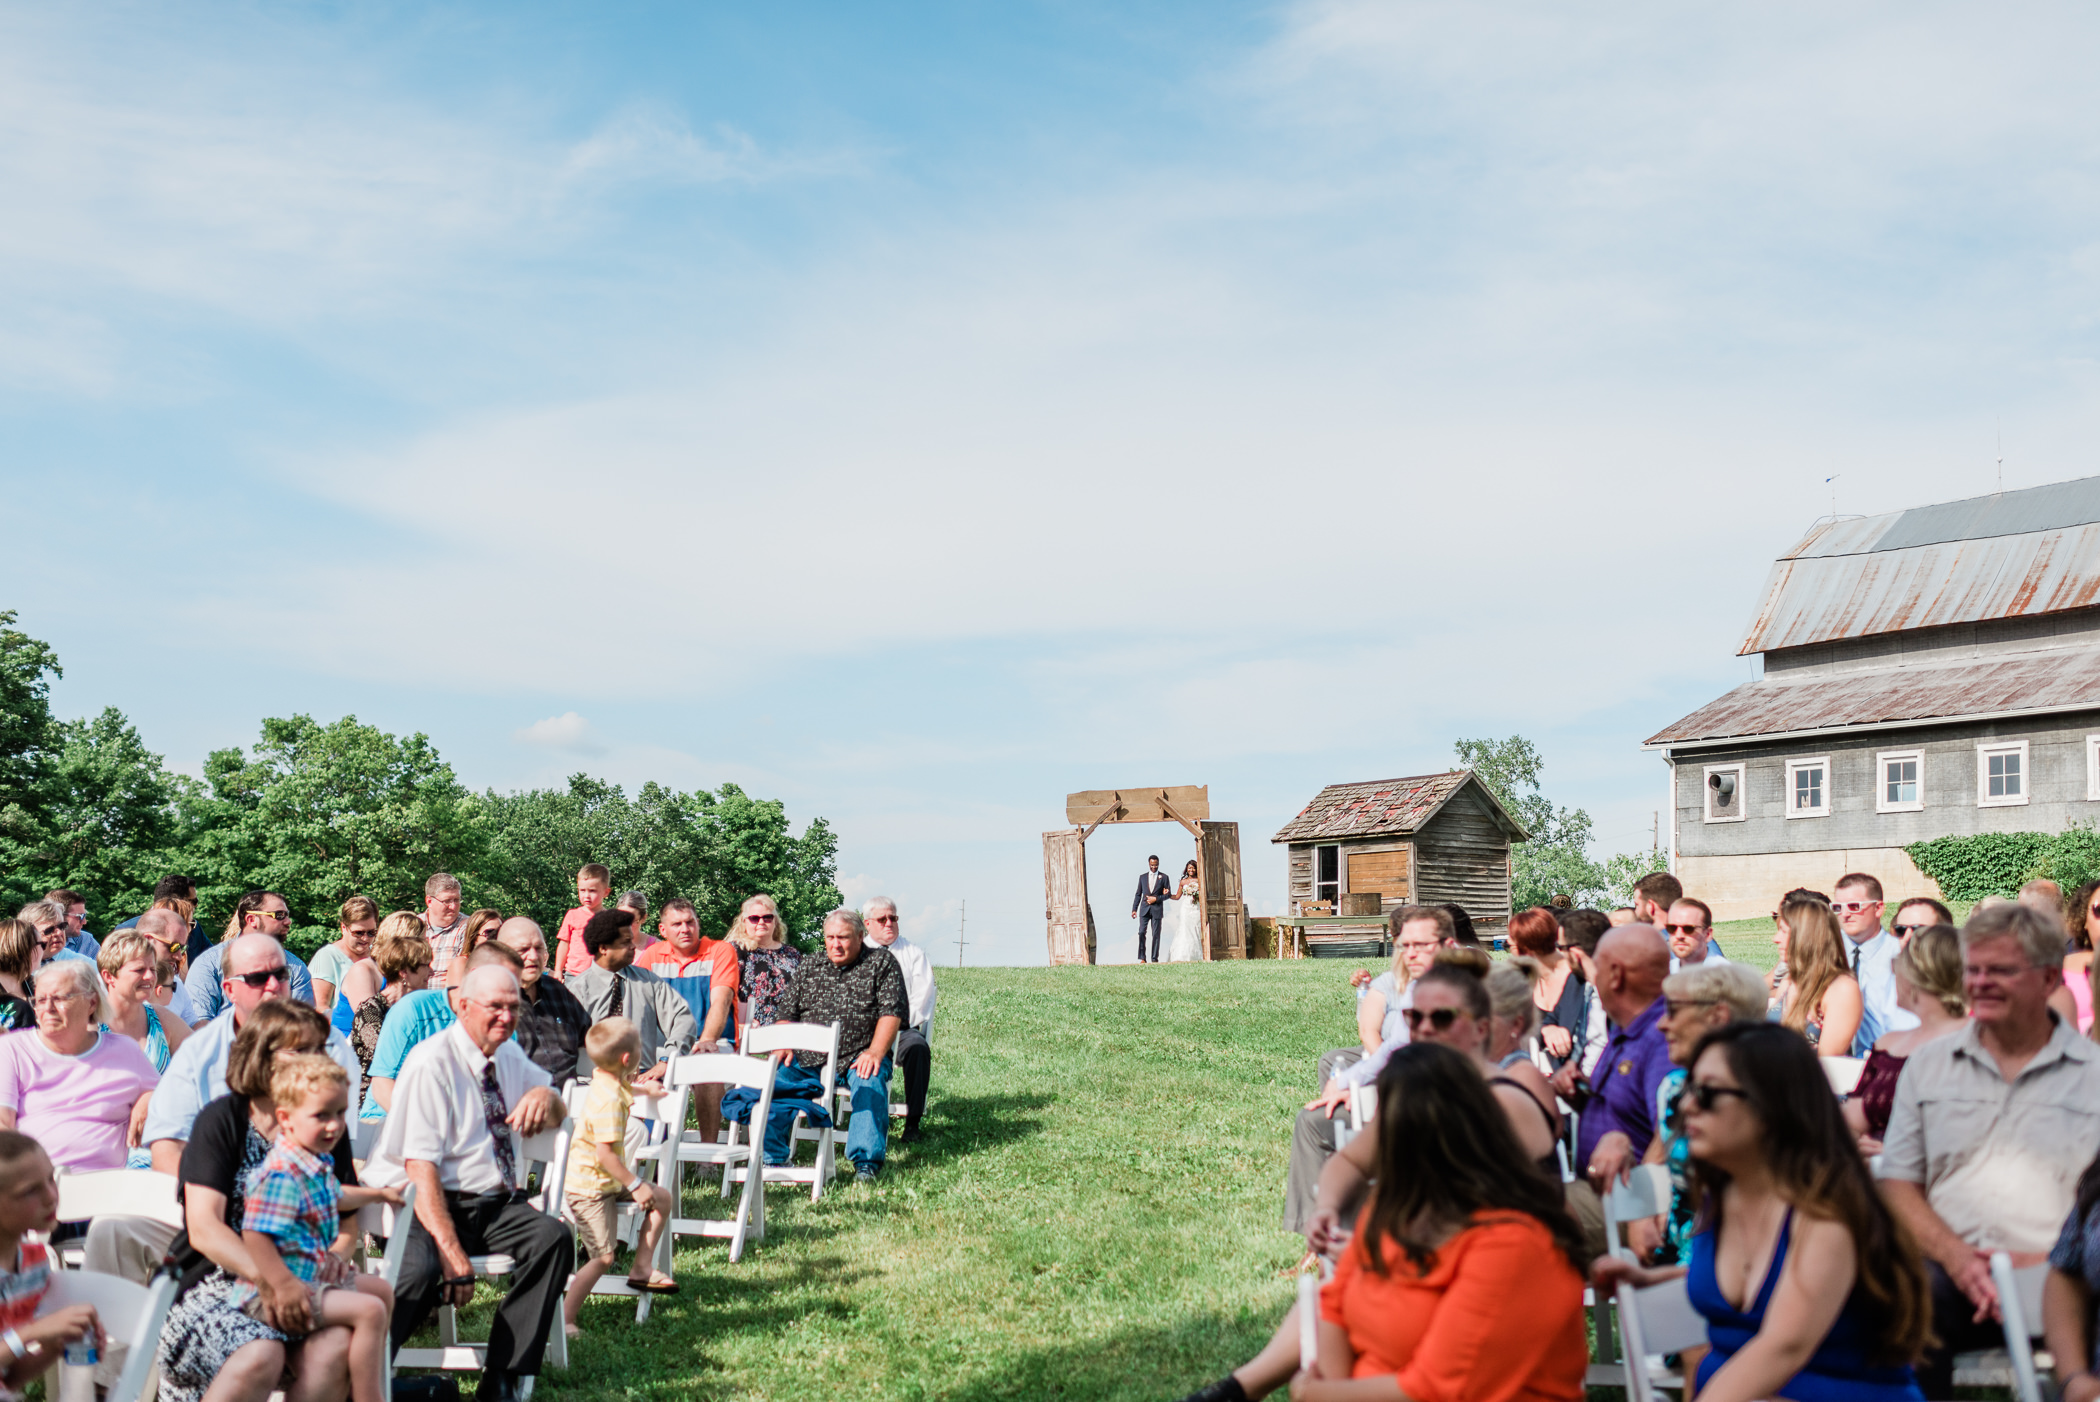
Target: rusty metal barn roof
column 2025, row 683
column 2009, row 555
column 1384, row 808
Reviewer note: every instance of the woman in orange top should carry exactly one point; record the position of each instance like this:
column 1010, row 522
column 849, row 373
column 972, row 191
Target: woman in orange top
column 1461, row 1224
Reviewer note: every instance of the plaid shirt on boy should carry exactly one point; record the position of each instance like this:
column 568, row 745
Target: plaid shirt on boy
column 293, row 1199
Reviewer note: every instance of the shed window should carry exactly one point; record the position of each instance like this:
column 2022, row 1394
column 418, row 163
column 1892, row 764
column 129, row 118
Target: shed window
column 2002, row 777
column 1327, row 874
column 1724, row 793
column 1808, row 788
column 1900, row 787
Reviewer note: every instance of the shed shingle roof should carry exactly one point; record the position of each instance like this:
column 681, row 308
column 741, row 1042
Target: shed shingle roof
column 1381, row 808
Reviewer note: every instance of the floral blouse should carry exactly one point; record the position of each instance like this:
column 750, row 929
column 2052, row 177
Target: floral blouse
column 762, row 975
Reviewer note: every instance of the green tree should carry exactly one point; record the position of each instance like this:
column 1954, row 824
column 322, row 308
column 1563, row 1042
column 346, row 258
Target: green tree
column 106, row 822
column 1556, row 860
column 26, row 668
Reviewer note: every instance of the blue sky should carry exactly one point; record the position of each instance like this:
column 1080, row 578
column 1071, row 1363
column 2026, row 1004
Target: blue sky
column 916, row 413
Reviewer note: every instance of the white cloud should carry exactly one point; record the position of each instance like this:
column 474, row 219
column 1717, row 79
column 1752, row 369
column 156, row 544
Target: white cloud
column 567, row 731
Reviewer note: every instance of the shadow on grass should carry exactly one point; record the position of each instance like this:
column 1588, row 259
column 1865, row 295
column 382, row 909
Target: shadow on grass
column 1149, row 1362
column 958, row 1125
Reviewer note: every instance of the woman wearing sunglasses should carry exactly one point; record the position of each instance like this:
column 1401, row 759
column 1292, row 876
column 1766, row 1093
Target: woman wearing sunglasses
column 1811, row 1289
column 1818, row 996
column 2082, row 920
column 765, row 961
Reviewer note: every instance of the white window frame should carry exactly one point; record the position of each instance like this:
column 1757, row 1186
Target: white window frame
column 1881, row 781
column 1793, row 766
column 1984, row 750
column 2092, row 769
column 1741, row 770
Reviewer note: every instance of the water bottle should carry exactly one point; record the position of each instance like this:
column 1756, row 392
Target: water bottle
column 76, row 1370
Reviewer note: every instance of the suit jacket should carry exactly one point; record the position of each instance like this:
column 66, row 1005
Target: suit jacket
column 1152, row 883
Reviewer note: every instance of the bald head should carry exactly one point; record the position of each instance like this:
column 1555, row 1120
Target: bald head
column 163, row 925
column 248, row 955
column 1632, row 962
column 523, row 937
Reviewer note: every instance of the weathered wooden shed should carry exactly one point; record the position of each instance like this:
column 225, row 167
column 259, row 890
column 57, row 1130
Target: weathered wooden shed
column 1423, row 840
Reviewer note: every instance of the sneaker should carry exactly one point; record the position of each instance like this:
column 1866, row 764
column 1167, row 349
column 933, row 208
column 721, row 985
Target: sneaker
column 865, row 1173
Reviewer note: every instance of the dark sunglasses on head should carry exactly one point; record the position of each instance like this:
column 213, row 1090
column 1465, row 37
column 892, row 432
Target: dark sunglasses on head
column 1703, row 1094
column 1684, row 929
column 262, row 978
column 1441, row 1019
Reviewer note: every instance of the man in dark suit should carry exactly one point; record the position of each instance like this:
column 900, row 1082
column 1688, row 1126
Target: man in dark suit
column 1147, row 907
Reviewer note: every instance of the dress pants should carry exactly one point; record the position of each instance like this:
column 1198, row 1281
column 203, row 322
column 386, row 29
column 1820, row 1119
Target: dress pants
column 914, row 1056
column 1956, row 1331
column 545, row 1253
column 1149, row 916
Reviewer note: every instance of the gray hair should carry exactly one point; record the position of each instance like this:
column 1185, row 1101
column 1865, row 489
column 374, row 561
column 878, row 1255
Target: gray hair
column 1737, row 985
column 850, row 919
column 2041, row 937
column 867, row 907
column 42, row 912
column 85, row 978
column 487, row 979
column 1509, row 986
column 163, row 921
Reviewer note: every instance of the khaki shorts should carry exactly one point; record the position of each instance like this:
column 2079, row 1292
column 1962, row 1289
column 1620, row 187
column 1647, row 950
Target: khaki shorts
column 596, row 1219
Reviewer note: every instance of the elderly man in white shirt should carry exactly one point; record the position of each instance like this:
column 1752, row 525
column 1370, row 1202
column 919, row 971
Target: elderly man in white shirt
column 465, row 1102
column 913, row 1048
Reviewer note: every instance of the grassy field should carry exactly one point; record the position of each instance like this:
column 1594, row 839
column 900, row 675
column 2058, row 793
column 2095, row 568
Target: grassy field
column 1094, row 1214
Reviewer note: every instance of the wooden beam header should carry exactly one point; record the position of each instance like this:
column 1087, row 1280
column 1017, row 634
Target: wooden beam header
column 1187, row 803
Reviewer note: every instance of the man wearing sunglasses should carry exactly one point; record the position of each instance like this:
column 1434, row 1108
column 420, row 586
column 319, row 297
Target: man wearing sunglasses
column 1871, row 951
column 256, row 970
column 912, row 1049
column 48, row 919
column 1691, row 935
column 258, row 913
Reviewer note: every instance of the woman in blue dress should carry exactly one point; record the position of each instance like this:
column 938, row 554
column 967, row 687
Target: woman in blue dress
column 1811, row 1289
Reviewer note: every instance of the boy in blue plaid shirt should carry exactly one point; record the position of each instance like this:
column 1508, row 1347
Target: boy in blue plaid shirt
column 293, row 1211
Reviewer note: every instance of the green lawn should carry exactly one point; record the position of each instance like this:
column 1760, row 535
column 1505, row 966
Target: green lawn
column 1095, row 1214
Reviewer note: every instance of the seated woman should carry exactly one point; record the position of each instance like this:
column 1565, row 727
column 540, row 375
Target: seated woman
column 210, row 1342
column 130, row 967
column 481, row 927
column 1813, row 984
column 20, row 952
column 1811, row 1289
column 1512, row 986
column 1452, row 1011
column 403, row 957
column 1928, row 986
column 77, row 1090
column 356, row 926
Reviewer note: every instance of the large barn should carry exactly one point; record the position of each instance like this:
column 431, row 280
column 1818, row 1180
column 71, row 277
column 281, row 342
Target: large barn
column 1927, row 673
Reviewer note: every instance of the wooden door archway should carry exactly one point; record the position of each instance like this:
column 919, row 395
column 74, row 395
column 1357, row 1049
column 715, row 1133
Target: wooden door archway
column 1066, row 911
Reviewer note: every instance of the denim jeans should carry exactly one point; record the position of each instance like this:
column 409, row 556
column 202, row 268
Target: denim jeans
column 867, row 1134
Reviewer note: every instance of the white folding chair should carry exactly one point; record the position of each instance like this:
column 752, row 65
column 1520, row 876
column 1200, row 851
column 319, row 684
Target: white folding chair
column 802, row 1036
column 666, row 1113
column 2016, row 1366
column 1645, row 1193
column 1655, row 1321
column 1363, row 1104
column 113, row 1192
column 1843, row 1072
column 372, row 1219
column 542, row 1159
column 363, row 1135
column 733, row 1153
column 127, row 1310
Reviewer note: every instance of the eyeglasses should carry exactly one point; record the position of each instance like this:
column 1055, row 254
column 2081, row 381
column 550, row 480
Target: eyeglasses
column 1847, row 907
column 261, row 978
column 54, row 1000
column 1703, row 1094
column 1441, row 1018
column 509, row 1010
column 1562, row 948
column 1925, row 925
column 761, row 918
column 1676, row 1007
column 1684, row 929
column 882, row 920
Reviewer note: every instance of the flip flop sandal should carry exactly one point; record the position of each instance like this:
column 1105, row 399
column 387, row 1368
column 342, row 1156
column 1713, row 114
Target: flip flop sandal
column 664, row 1286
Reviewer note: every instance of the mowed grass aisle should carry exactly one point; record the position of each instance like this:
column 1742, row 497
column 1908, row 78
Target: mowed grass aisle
column 1094, row 1215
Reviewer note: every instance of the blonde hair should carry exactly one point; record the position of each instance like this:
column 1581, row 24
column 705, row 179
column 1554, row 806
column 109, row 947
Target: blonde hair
column 610, row 1040
column 1509, row 986
column 1815, row 957
column 123, row 947
column 1930, row 961
column 295, row 1077
column 18, row 944
column 740, row 928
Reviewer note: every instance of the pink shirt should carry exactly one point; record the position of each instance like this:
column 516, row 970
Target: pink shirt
column 571, row 930
column 77, row 1107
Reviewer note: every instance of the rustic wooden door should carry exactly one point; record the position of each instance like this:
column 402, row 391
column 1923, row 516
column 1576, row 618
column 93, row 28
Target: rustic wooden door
column 1224, row 909
column 1064, row 898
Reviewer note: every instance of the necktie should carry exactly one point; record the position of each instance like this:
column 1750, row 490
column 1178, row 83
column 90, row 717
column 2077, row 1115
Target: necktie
column 495, row 1114
column 619, row 1001
column 1855, row 962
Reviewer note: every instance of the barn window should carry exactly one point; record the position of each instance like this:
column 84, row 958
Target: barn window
column 1901, row 785
column 1724, row 793
column 2092, row 768
column 2002, row 776
column 1327, row 874
column 1808, row 788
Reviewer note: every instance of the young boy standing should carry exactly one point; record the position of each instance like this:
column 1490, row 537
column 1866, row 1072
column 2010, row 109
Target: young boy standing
column 599, row 1179
column 29, row 1203
column 294, row 1210
column 593, row 885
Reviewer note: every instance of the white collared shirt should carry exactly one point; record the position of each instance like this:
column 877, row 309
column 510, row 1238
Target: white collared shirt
column 918, row 980
column 1877, row 990
column 437, row 1114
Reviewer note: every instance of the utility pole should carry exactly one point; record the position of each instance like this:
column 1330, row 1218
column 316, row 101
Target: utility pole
column 961, row 934
column 1655, row 830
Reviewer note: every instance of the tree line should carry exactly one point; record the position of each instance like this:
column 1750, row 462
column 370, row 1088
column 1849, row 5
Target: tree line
column 321, row 811
column 1556, row 861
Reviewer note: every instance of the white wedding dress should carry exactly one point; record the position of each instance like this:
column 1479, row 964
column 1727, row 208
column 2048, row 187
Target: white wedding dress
column 1185, row 922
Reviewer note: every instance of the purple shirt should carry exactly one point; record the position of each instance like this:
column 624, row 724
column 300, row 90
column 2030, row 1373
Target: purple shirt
column 1622, row 1089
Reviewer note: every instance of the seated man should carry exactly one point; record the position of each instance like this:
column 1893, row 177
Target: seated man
column 1991, row 1128
column 613, row 987
column 705, row 971
column 258, row 913
column 417, row 1018
column 914, row 1050
column 551, row 1023
column 860, row 987
column 467, row 1099
column 168, row 933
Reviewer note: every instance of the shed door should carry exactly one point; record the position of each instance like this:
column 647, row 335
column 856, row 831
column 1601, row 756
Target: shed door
column 1064, row 889
column 1224, row 912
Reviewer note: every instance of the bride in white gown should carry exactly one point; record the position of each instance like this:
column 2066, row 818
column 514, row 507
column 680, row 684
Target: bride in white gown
column 1186, row 916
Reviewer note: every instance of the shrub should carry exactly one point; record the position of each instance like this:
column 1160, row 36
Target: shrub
column 1999, row 863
